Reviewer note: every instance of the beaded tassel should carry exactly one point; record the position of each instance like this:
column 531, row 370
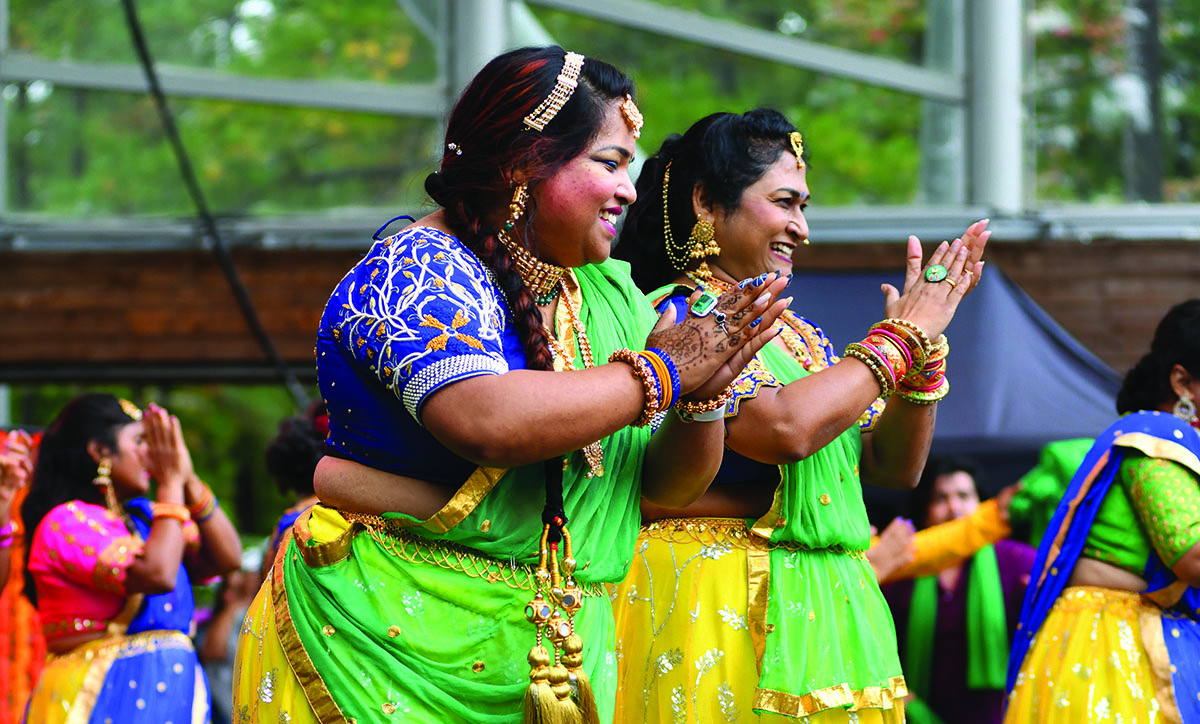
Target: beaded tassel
column 559, row 691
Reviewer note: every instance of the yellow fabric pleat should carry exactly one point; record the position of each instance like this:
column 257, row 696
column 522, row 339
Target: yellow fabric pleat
column 693, row 658
column 264, row 687
column 1088, row 663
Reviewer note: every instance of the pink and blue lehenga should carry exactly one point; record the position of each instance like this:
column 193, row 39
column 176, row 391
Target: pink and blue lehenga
column 144, row 667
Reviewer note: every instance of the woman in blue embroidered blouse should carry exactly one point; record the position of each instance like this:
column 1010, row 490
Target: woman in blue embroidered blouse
column 472, row 417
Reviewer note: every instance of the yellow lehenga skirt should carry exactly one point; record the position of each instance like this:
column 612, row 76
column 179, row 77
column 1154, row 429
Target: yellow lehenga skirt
column 1089, row 662
column 684, row 650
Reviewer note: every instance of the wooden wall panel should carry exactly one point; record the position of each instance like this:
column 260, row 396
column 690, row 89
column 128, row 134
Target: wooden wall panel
column 163, row 308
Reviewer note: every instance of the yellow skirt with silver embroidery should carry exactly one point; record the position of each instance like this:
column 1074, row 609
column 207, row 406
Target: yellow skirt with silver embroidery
column 1088, row 663
column 684, row 650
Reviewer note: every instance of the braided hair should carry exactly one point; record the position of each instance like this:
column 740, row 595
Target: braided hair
column 487, row 126
column 1176, row 342
column 723, row 153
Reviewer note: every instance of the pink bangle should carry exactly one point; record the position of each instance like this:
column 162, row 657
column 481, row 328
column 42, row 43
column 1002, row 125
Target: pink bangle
column 6, row 529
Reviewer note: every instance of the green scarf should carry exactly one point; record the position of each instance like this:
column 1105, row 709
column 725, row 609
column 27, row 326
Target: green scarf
column 987, row 629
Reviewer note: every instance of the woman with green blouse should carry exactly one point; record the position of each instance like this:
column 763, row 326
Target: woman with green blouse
column 1109, row 620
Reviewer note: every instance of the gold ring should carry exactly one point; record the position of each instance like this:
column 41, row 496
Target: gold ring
column 951, row 282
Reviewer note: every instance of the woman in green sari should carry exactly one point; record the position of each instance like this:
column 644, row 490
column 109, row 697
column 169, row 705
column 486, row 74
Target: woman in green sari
column 482, row 476
column 757, row 602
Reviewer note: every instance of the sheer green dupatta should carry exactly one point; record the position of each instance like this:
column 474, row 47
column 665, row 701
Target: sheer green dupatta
column 425, row 620
column 987, row 633
column 822, row 631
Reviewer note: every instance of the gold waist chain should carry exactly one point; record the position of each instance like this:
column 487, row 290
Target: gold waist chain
column 732, row 531
column 398, row 541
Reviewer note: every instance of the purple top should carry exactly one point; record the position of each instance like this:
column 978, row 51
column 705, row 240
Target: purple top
column 950, row 698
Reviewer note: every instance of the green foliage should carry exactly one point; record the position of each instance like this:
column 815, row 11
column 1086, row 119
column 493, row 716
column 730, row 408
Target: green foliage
column 862, row 141
column 1085, row 97
column 82, row 153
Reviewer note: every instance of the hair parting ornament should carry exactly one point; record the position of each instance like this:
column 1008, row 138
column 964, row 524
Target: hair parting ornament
column 797, row 142
column 564, row 88
column 131, row 409
column 633, row 117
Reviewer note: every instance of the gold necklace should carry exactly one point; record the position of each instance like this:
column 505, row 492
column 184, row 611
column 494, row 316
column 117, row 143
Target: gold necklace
column 593, row 453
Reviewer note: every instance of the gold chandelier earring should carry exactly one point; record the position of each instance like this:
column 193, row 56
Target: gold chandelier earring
column 103, row 479
column 103, row 471
column 703, row 240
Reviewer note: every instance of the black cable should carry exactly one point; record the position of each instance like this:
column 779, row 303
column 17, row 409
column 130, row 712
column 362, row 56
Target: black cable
column 220, row 251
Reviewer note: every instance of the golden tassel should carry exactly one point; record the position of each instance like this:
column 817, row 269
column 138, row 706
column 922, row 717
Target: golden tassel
column 572, row 658
column 559, row 691
column 538, row 696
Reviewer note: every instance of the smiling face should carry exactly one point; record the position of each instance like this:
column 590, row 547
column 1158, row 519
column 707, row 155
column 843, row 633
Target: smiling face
column 129, row 475
column 760, row 235
column 578, row 206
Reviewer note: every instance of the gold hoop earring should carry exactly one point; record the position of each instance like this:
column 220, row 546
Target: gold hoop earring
column 703, row 240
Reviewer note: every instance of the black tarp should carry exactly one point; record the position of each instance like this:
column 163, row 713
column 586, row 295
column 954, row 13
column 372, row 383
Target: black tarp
column 1018, row 380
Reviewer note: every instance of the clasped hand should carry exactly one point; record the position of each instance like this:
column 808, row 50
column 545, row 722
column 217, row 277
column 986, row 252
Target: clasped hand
column 710, row 351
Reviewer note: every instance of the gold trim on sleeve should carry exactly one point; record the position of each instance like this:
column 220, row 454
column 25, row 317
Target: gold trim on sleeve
column 1156, row 447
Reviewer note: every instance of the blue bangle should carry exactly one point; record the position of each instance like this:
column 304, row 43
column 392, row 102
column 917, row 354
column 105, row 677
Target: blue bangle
column 673, row 371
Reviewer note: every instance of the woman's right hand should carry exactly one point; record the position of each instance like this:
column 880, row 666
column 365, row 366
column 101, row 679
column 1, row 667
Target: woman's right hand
column 931, row 305
column 709, row 357
column 167, row 460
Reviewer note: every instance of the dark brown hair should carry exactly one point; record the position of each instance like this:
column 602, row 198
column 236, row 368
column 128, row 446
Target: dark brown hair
column 488, row 126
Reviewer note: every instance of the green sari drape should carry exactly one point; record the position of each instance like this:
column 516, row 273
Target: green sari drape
column 379, row 620
column 822, row 627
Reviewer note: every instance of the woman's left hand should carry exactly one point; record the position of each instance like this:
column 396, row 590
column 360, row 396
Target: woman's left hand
column 16, row 468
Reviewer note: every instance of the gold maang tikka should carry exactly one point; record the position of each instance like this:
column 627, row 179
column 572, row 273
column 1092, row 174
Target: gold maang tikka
column 797, row 147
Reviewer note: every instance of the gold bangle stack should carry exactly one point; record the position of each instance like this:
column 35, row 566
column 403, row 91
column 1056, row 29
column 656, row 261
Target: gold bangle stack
column 927, row 384
column 178, row 511
column 913, row 337
column 877, row 363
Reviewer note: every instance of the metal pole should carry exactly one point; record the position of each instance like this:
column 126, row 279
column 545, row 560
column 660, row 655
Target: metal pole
column 478, row 31
column 996, row 111
column 3, row 112
column 943, row 123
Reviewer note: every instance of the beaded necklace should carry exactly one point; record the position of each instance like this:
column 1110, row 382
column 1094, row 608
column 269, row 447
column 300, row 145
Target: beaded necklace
column 593, row 453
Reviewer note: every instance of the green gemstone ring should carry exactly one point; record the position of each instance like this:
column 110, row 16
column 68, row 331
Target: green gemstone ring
column 935, row 273
column 704, row 304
